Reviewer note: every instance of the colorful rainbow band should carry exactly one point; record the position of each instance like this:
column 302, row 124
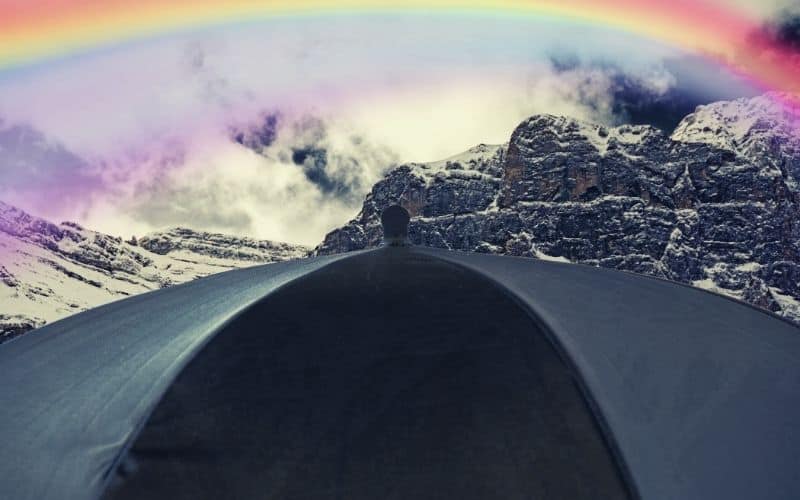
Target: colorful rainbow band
column 35, row 30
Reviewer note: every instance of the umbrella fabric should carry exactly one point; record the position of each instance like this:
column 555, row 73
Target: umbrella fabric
column 389, row 375
column 407, row 371
column 701, row 393
column 74, row 393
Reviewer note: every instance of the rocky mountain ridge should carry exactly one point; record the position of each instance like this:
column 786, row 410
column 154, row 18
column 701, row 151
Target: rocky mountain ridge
column 48, row 271
column 714, row 205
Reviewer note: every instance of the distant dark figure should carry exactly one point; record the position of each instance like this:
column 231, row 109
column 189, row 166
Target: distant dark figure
column 395, row 225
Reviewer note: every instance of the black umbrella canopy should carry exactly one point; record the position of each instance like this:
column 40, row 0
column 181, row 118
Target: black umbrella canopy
column 406, row 372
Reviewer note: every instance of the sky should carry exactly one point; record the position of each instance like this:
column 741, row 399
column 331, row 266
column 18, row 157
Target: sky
column 141, row 136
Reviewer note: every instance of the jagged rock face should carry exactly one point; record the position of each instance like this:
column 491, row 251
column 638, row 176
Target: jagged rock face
column 714, row 205
column 50, row 271
column 463, row 184
column 556, row 159
column 219, row 246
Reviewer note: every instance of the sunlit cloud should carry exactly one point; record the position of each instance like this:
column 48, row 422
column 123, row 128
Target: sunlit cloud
column 150, row 123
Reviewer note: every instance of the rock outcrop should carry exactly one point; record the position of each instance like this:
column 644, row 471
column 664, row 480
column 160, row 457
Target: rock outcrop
column 714, row 205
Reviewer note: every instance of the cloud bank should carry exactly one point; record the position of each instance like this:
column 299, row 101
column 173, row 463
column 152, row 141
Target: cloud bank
column 278, row 130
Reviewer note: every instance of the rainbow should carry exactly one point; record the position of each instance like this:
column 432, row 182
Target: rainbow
column 42, row 30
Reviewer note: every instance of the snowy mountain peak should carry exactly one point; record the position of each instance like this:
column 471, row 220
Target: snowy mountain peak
column 475, row 154
column 571, row 132
column 741, row 124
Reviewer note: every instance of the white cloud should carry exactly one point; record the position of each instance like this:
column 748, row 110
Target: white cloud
column 218, row 185
column 153, row 117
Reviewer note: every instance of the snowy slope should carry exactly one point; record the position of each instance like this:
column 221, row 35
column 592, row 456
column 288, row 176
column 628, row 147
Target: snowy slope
column 50, row 271
column 762, row 129
column 741, row 124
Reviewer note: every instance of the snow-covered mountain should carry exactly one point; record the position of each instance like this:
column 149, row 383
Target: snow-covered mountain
column 759, row 128
column 50, row 271
column 714, row 205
